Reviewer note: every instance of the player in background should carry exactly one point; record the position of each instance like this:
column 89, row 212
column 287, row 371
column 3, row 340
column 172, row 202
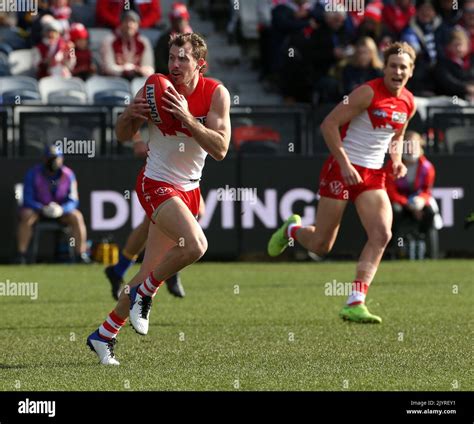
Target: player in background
column 168, row 186
column 136, row 241
column 358, row 133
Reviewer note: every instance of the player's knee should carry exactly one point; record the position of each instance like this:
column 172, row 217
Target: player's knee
column 381, row 236
column 195, row 249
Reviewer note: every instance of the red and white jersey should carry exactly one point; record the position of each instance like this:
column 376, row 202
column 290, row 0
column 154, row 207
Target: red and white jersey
column 175, row 156
column 367, row 137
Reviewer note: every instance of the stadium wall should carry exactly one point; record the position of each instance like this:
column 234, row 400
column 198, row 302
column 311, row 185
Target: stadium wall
column 237, row 222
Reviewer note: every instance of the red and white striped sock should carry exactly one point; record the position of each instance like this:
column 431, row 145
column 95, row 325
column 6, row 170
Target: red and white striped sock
column 291, row 231
column 111, row 326
column 358, row 293
column 149, row 287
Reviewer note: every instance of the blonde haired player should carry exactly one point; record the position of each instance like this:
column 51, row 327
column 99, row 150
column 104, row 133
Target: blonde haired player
column 168, row 186
column 358, row 132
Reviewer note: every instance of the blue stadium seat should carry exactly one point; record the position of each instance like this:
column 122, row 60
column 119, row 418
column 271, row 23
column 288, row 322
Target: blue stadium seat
column 49, row 85
column 113, row 98
column 101, row 84
column 18, row 83
column 67, row 97
column 17, row 97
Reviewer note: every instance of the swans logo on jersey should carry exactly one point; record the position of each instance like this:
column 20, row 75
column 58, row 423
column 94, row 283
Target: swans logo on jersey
column 150, row 98
column 379, row 113
column 400, row 117
column 163, row 191
column 336, row 187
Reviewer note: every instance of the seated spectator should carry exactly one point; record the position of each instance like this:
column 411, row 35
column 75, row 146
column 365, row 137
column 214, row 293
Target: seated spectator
column 108, row 12
column 179, row 20
column 468, row 21
column 454, row 74
column 371, row 23
column 304, row 75
column 396, row 16
column 364, row 65
column 12, row 37
column 85, row 66
column 127, row 54
column 421, row 35
column 53, row 56
column 288, row 18
column 411, row 196
column 448, row 13
column 62, row 13
column 50, row 192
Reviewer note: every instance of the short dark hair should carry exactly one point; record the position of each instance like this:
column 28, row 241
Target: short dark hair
column 399, row 48
column 196, row 41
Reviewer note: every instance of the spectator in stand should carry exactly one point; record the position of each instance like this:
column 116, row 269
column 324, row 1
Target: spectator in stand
column 179, row 20
column 454, row 73
column 411, row 195
column 108, row 12
column 397, row 16
column 126, row 53
column 62, row 13
column 85, row 66
column 371, row 23
column 364, row 65
column 288, row 19
column 53, row 56
column 50, row 192
column 448, row 12
column 468, row 21
column 304, row 76
column 421, row 35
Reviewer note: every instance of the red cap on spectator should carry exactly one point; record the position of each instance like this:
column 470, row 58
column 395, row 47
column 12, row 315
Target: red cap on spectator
column 78, row 31
column 179, row 10
column 374, row 12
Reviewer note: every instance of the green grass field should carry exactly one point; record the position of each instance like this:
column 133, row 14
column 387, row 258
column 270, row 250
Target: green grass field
column 280, row 332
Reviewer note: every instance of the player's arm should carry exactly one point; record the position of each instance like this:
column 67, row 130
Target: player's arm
column 214, row 138
column 396, row 149
column 358, row 101
column 133, row 117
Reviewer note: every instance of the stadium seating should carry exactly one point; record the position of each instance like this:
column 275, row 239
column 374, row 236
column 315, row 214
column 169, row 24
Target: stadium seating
column 67, row 97
column 66, row 87
column 106, row 89
column 18, row 83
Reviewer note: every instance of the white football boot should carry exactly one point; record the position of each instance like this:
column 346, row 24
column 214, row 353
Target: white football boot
column 103, row 348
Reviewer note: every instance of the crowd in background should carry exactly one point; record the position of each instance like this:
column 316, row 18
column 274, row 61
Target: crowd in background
column 314, row 51
column 60, row 46
column 318, row 51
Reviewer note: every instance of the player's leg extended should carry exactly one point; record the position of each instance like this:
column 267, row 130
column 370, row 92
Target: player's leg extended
column 375, row 213
column 133, row 247
column 175, row 220
column 318, row 239
column 102, row 341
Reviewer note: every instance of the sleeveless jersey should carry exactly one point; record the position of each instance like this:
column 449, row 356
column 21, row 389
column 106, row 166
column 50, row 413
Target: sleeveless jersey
column 176, row 157
column 367, row 137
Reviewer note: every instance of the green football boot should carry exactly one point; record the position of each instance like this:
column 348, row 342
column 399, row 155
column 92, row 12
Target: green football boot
column 359, row 313
column 279, row 241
